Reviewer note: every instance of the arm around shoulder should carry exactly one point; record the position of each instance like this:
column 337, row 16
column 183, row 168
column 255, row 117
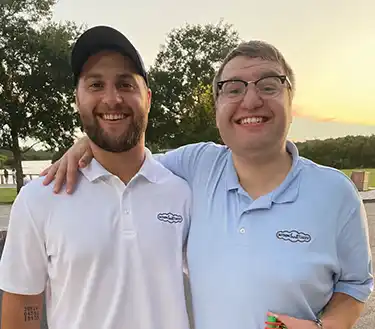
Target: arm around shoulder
column 184, row 160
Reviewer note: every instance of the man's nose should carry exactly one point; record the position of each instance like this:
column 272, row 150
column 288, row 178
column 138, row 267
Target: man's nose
column 112, row 97
column 251, row 99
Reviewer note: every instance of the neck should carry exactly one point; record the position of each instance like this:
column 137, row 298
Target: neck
column 262, row 172
column 124, row 165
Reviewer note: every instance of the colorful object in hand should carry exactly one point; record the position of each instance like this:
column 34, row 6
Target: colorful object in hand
column 272, row 322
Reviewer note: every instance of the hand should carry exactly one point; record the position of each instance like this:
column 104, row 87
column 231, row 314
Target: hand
column 65, row 169
column 294, row 323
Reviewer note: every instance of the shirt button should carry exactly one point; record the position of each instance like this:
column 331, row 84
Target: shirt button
column 242, row 230
column 127, row 212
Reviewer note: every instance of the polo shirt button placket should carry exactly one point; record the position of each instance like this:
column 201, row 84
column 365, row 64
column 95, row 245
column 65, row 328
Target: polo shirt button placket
column 127, row 221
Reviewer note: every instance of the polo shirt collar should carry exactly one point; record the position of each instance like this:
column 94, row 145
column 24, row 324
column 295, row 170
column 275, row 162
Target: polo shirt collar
column 151, row 169
column 289, row 188
column 94, row 170
column 231, row 174
column 286, row 192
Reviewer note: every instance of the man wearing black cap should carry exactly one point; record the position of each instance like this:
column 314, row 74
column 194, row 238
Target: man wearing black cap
column 111, row 255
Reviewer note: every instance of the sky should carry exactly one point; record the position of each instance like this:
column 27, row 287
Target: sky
column 330, row 45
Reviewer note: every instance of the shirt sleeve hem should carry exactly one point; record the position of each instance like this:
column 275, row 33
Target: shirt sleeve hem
column 353, row 292
column 20, row 290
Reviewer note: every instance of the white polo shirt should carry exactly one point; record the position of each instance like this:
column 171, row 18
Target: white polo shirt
column 109, row 255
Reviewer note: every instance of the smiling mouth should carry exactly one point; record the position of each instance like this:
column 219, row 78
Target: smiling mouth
column 112, row 116
column 252, row 120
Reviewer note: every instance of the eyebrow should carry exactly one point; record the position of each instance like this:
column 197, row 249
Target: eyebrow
column 269, row 73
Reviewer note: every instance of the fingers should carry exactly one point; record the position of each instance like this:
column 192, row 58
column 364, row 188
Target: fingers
column 60, row 174
column 50, row 173
column 71, row 174
column 66, row 168
column 45, row 171
column 86, row 159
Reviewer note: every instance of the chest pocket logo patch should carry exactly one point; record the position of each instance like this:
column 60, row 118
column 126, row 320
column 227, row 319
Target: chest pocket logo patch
column 293, row 236
column 170, row 218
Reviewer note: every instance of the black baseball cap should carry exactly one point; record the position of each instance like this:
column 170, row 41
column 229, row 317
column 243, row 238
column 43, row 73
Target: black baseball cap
column 101, row 38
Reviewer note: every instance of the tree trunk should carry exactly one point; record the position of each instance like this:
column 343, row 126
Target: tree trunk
column 17, row 159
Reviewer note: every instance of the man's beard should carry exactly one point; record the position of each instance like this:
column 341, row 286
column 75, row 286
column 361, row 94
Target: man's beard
column 123, row 143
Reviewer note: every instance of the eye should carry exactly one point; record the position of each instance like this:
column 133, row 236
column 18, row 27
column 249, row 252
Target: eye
column 96, row 85
column 233, row 88
column 268, row 88
column 269, row 85
column 125, row 85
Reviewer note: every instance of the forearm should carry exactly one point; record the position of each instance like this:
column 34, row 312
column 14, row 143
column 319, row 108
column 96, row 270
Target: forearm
column 342, row 312
column 21, row 312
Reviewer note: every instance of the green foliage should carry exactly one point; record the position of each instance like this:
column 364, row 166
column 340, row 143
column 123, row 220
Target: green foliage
column 36, row 90
column 198, row 124
column 341, row 153
column 35, row 80
column 184, row 67
column 3, row 160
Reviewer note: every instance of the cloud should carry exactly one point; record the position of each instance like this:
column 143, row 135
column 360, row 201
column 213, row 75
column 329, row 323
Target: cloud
column 364, row 120
column 298, row 111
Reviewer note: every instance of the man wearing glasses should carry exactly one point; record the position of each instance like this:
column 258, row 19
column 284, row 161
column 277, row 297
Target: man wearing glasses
column 271, row 232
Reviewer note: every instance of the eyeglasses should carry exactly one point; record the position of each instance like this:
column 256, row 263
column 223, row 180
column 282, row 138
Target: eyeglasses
column 266, row 87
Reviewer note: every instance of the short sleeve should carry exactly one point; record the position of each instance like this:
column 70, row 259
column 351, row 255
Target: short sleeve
column 183, row 161
column 23, row 265
column 354, row 253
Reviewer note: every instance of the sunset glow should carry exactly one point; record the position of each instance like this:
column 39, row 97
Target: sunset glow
column 329, row 44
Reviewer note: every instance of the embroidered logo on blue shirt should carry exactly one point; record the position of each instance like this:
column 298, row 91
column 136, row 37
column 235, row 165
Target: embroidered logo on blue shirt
column 169, row 217
column 293, row 236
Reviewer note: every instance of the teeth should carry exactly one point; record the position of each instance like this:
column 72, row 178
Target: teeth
column 113, row 116
column 251, row 120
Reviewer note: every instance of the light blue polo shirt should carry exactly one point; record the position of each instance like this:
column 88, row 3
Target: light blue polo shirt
column 286, row 252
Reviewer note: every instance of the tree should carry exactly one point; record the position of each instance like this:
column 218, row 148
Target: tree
column 347, row 152
column 198, row 124
column 36, row 89
column 183, row 68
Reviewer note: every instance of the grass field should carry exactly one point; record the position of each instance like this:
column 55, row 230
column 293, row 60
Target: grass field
column 7, row 195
